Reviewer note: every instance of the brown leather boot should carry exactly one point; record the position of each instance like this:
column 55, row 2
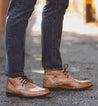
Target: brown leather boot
column 59, row 79
column 21, row 86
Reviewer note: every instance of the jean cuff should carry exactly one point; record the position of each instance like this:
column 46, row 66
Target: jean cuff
column 14, row 75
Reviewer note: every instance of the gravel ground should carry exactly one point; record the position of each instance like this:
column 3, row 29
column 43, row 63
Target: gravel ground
column 80, row 51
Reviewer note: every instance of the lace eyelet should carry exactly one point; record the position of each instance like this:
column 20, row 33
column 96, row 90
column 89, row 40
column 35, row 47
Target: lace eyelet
column 24, row 80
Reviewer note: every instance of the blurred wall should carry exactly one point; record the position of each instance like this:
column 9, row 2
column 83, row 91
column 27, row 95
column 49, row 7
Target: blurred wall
column 3, row 11
column 96, row 7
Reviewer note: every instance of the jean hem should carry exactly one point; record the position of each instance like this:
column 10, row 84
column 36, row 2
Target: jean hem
column 14, row 75
column 57, row 68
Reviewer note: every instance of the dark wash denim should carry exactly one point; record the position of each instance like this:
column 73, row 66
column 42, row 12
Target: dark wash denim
column 17, row 19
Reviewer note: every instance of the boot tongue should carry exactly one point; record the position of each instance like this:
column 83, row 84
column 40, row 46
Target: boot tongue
column 28, row 83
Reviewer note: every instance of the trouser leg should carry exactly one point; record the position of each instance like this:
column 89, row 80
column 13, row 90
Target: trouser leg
column 17, row 19
column 52, row 20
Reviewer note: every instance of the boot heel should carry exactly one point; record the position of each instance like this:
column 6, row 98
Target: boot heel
column 9, row 94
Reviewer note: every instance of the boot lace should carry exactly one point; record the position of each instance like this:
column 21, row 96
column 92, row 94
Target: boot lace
column 66, row 71
column 24, row 80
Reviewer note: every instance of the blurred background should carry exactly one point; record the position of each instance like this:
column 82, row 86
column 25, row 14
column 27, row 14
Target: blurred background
column 86, row 11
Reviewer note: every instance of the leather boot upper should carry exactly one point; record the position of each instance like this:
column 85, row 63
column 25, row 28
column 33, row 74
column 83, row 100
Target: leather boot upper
column 21, row 86
column 59, row 79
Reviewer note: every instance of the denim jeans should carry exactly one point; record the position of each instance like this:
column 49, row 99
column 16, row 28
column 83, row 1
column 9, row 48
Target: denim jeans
column 17, row 19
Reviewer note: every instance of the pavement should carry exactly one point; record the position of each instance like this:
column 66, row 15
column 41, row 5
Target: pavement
column 79, row 48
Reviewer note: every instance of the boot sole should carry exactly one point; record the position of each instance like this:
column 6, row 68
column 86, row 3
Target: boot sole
column 59, row 88
column 17, row 95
